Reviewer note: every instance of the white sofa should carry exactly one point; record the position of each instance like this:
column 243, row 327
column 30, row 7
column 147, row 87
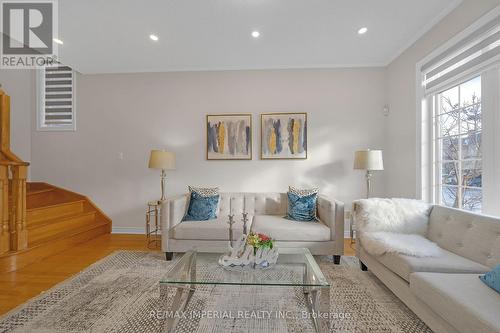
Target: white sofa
column 266, row 215
column 445, row 291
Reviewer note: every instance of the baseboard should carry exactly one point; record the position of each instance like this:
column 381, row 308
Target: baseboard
column 128, row 230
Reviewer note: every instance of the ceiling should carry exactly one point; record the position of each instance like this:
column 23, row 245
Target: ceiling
column 112, row 36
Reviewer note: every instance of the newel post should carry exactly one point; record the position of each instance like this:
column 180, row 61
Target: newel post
column 4, row 210
column 19, row 234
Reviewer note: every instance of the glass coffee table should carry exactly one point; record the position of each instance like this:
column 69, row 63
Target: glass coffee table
column 196, row 271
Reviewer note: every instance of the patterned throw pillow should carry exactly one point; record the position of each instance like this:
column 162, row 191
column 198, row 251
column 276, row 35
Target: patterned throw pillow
column 492, row 278
column 201, row 208
column 302, row 208
column 204, row 191
column 303, row 192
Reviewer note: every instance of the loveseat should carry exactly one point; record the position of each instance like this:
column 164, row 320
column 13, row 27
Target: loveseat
column 444, row 291
column 266, row 213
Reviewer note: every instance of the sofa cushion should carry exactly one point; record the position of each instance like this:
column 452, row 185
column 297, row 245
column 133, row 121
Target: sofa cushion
column 216, row 229
column 470, row 235
column 302, row 192
column 460, row 299
column 492, row 278
column 204, row 191
column 302, row 208
column 252, row 203
column 447, row 262
column 281, row 229
column 201, row 208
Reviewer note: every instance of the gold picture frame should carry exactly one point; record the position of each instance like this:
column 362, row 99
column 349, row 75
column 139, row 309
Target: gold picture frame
column 274, row 145
column 233, row 133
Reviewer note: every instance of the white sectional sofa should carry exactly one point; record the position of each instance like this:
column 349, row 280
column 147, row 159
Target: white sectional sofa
column 445, row 291
column 266, row 215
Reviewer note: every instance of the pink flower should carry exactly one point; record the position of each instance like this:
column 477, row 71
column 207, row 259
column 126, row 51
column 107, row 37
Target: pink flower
column 263, row 237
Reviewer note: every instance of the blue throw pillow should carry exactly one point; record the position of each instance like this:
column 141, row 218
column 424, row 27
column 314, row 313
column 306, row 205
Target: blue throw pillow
column 302, row 208
column 492, row 278
column 201, row 208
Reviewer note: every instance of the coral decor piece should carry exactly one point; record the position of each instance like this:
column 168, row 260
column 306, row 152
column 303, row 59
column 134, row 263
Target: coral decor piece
column 252, row 251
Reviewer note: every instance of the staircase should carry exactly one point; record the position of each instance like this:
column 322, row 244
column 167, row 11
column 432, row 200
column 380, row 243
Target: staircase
column 56, row 220
column 38, row 219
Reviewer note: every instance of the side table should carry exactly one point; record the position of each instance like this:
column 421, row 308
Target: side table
column 153, row 235
column 352, row 229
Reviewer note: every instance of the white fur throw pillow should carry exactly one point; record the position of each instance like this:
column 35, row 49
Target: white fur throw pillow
column 378, row 243
column 405, row 216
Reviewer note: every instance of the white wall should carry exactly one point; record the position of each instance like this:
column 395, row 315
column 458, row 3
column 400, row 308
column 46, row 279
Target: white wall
column 401, row 140
column 132, row 113
column 19, row 85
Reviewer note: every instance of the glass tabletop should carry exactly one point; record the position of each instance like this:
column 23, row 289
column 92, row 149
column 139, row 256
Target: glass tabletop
column 295, row 267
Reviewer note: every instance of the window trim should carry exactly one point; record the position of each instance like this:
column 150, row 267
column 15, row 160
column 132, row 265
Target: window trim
column 40, row 105
column 490, row 97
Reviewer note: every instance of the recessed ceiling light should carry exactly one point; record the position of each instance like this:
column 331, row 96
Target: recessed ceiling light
column 362, row 30
column 255, row 34
column 58, row 41
column 153, row 37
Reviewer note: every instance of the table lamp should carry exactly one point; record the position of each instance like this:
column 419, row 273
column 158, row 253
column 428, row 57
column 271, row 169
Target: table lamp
column 369, row 160
column 164, row 160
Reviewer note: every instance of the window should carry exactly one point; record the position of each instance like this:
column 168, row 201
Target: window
column 458, row 103
column 457, row 144
column 56, row 99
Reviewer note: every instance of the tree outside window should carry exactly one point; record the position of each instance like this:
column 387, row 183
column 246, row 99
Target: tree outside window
column 458, row 146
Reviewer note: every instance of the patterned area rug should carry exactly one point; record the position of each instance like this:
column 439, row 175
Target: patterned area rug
column 120, row 293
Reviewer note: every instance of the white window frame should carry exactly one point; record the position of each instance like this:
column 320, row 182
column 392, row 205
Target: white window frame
column 490, row 99
column 436, row 172
column 40, row 106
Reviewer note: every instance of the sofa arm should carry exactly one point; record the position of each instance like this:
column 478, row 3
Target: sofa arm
column 331, row 212
column 361, row 217
column 171, row 213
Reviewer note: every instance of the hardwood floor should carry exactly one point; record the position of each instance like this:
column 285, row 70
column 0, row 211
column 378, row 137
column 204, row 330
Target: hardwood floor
column 349, row 248
column 19, row 286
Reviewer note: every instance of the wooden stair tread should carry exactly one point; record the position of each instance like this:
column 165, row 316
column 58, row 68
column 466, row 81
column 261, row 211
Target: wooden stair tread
column 56, row 204
column 44, row 222
column 36, row 186
column 40, row 214
column 34, row 247
column 47, row 202
column 97, row 224
column 38, row 191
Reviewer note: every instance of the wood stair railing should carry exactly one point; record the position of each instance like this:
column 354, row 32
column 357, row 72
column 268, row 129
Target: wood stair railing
column 13, row 174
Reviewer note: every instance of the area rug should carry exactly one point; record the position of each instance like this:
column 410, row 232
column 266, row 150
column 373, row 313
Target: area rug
column 120, row 293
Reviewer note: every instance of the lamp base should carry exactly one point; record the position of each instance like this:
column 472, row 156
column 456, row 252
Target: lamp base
column 163, row 185
column 368, row 183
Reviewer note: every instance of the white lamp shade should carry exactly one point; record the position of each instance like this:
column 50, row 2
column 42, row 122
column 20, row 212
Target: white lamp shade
column 368, row 160
column 160, row 159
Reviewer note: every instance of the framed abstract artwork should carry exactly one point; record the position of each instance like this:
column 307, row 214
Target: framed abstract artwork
column 283, row 136
column 229, row 136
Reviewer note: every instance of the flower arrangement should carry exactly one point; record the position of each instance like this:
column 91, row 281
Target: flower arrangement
column 259, row 241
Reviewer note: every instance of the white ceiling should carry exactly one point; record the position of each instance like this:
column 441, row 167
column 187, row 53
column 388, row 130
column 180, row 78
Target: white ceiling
column 112, row 36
